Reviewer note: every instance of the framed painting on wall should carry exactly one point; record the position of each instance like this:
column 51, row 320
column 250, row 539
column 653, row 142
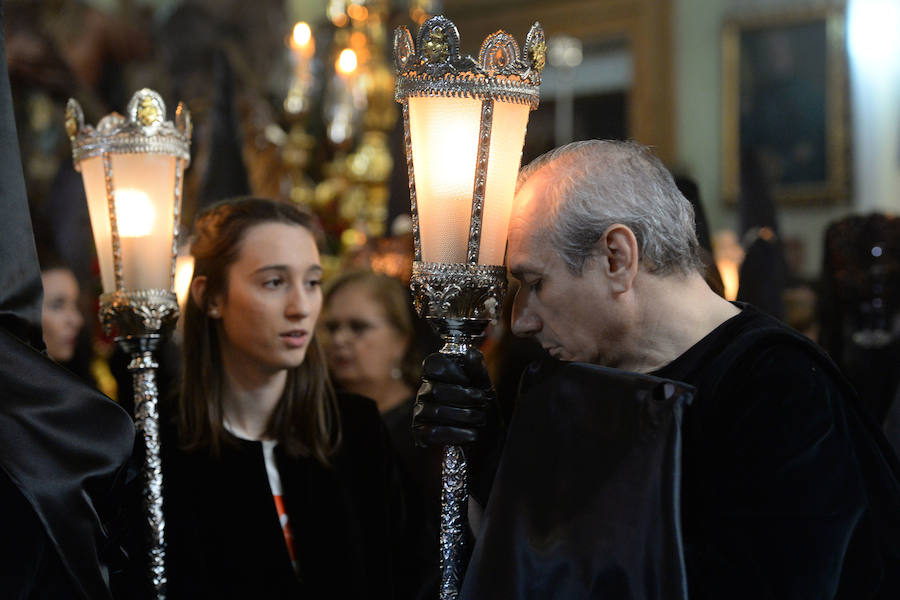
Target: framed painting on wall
column 784, row 106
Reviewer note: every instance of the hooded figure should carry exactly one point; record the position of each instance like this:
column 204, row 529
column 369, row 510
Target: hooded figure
column 62, row 443
column 764, row 272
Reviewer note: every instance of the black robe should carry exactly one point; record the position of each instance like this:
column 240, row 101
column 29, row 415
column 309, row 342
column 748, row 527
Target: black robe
column 787, row 490
column 420, row 475
column 63, row 444
column 63, row 451
column 223, row 535
column 790, row 491
column 585, row 501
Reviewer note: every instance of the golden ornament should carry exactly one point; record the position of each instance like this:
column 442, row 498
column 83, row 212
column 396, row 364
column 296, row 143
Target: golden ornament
column 148, row 113
column 539, row 55
column 71, row 124
column 436, row 48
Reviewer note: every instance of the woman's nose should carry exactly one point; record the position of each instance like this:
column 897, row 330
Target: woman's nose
column 75, row 319
column 298, row 305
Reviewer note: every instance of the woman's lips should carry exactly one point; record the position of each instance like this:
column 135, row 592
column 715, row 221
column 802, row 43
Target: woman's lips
column 295, row 338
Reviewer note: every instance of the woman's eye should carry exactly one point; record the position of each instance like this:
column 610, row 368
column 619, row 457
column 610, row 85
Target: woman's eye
column 56, row 304
column 534, row 284
column 358, row 327
column 274, row 282
column 313, row 283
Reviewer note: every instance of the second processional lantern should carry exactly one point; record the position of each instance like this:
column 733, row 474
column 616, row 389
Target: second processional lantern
column 464, row 121
column 132, row 166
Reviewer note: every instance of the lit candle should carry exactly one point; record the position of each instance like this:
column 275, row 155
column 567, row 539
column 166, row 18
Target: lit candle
column 135, row 217
column 143, row 190
column 303, row 46
column 346, row 62
column 444, row 134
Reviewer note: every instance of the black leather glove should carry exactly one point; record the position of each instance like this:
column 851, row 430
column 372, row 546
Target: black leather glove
column 456, row 403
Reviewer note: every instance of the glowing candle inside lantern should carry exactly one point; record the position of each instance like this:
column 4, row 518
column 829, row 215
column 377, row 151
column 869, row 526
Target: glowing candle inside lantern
column 134, row 213
column 135, row 217
column 143, row 190
column 445, row 136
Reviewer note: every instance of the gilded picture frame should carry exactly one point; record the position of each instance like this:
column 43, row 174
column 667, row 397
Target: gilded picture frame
column 784, row 106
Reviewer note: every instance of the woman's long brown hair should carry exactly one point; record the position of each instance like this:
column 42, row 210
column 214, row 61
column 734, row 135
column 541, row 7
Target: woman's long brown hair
column 305, row 421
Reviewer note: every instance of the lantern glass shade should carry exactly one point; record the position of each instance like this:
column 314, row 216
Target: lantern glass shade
column 143, row 188
column 444, row 136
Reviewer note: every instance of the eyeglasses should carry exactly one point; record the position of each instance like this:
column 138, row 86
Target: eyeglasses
column 357, row 327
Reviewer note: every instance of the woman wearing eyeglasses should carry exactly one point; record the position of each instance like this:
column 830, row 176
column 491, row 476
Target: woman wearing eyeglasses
column 369, row 338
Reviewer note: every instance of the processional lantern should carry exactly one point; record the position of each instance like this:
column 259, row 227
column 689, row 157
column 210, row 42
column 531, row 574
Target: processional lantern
column 132, row 167
column 464, row 122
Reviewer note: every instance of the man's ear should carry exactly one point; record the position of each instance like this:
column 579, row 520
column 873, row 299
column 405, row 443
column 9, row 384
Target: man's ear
column 620, row 255
column 198, row 293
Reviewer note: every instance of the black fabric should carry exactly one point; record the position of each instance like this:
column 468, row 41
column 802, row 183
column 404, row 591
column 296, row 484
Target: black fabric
column 226, row 175
column 224, row 539
column 691, row 191
column 418, row 575
column 21, row 293
column 62, row 443
column 756, row 206
column 789, row 492
column 585, row 500
column 30, row 567
column 763, row 275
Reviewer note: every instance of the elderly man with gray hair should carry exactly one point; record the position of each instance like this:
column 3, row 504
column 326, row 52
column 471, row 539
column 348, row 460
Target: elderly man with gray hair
column 782, row 488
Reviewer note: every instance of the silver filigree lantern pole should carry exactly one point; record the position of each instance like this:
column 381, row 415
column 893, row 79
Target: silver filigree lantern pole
column 465, row 122
column 132, row 167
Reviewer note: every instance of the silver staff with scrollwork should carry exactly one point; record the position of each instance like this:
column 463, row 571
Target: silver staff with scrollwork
column 476, row 137
column 133, row 168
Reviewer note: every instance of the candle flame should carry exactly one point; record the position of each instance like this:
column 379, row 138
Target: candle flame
column 134, row 213
column 302, row 34
column 346, row 62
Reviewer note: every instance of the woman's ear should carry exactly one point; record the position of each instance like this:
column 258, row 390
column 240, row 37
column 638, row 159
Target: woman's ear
column 198, row 293
column 622, row 257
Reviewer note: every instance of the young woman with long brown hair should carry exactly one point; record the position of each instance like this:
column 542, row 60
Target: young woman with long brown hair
column 275, row 486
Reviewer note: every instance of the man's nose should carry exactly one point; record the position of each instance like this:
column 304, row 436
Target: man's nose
column 524, row 321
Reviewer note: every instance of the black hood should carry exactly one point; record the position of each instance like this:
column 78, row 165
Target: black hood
column 21, row 293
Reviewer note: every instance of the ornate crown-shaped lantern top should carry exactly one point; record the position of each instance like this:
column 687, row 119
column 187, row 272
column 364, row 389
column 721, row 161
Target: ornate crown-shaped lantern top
column 143, row 130
column 433, row 65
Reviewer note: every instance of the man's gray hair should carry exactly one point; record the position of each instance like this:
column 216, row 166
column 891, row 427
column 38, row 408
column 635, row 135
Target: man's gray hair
column 595, row 184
